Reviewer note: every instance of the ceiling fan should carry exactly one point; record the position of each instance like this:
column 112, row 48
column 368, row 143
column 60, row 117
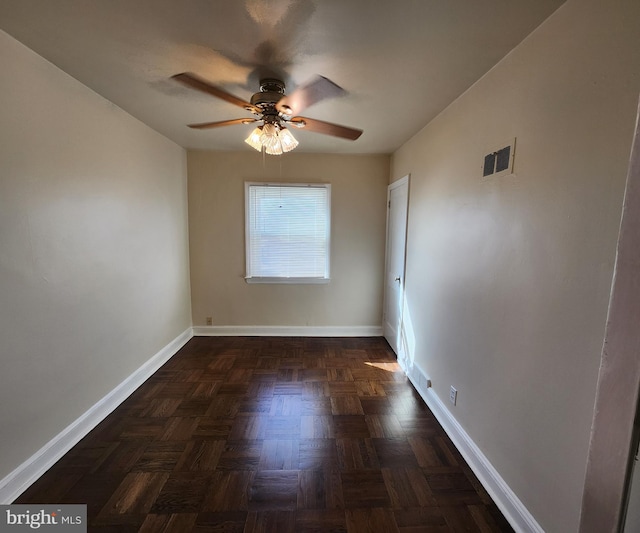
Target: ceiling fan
column 276, row 111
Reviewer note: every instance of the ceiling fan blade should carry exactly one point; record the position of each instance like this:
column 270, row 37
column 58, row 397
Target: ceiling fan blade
column 328, row 128
column 193, row 81
column 317, row 89
column 233, row 122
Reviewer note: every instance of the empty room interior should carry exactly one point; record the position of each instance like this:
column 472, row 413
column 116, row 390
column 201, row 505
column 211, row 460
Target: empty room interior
column 126, row 242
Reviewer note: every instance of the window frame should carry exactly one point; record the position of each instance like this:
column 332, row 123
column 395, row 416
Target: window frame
column 283, row 279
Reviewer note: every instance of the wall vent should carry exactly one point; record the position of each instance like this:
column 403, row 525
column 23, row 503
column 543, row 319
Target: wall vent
column 500, row 161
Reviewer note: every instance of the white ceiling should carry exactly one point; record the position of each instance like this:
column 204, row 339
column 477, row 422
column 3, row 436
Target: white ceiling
column 400, row 61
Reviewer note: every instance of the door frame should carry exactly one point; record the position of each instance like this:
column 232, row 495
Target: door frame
column 405, row 180
column 610, row 453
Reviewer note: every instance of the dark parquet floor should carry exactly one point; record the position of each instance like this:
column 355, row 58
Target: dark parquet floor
column 276, row 435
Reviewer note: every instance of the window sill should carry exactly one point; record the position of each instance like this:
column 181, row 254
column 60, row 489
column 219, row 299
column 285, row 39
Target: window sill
column 289, row 281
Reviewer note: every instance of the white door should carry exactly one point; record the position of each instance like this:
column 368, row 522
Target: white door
column 398, row 201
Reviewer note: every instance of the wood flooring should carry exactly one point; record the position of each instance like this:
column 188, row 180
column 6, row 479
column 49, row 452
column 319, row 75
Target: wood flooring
column 263, row 434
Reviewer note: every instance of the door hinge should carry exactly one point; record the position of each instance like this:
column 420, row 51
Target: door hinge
column 389, row 205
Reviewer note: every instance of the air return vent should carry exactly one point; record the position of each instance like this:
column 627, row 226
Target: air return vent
column 500, row 161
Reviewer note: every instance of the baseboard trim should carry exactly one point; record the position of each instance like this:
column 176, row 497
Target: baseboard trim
column 28, row 472
column 287, row 331
column 512, row 508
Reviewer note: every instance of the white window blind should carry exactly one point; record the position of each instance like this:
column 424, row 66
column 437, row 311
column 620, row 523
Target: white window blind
column 287, row 232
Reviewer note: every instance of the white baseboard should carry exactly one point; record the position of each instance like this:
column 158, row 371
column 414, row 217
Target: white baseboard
column 512, row 508
column 287, row 331
column 28, row 472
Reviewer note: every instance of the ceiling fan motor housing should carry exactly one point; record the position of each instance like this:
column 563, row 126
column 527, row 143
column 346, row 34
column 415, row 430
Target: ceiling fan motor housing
column 271, row 91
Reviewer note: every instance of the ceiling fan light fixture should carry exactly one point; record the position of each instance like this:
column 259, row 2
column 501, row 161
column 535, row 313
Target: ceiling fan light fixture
column 254, row 139
column 274, row 150
column 270, row 139
column 287, row 140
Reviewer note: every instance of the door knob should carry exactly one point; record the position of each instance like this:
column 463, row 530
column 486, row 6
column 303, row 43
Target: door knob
column 398, row 278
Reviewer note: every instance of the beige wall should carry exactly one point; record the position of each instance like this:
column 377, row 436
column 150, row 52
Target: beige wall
column 94, row 272
column 216, row 228
column 508, row 278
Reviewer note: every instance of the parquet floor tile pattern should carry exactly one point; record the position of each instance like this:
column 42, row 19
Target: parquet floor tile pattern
column 275, row 435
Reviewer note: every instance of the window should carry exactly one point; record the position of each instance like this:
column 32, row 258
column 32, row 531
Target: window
column 287, row 229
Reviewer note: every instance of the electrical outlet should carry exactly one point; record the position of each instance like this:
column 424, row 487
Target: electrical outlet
column 453, row 395
column 209, row 321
